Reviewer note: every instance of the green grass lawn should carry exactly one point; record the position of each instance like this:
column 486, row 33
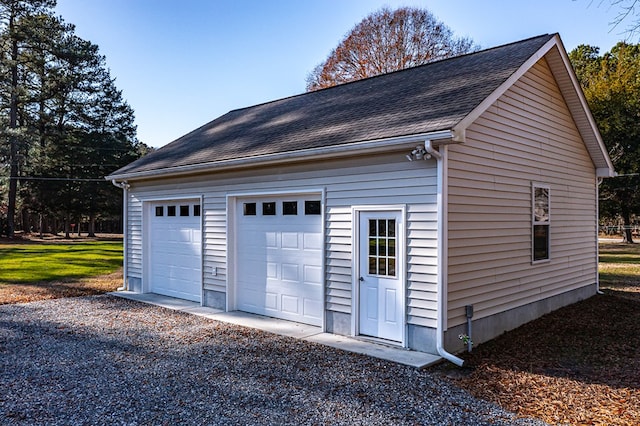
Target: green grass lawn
column 619, row 266
column 32, row 263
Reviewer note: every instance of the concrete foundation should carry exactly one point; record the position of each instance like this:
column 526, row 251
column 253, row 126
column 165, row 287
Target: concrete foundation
column 135, row 284
column 215, row 299
column 485, row 329
column 338, row 323
column 421, row 339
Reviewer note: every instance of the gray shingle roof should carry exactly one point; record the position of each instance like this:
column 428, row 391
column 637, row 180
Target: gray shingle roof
column 418, row 100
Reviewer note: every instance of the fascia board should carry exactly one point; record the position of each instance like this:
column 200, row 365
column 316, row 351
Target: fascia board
column 575, row 90
column 374, row 146
column 461, row 127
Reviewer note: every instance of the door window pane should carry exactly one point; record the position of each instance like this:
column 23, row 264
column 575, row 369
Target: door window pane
column 382, row 227
column 392, row 228
column 373, row 228
column 373, row 266
column 373, row 247
column 392, row 267
column 382, row 266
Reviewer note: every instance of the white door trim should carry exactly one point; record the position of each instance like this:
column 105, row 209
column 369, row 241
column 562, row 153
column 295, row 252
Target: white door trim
column 232, row 232
column 355, row 261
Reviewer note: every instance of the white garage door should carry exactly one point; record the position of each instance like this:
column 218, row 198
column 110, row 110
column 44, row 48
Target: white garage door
column 279, row 257
column 174, row 255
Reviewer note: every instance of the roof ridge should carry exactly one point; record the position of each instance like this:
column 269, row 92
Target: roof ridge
column 390, row 73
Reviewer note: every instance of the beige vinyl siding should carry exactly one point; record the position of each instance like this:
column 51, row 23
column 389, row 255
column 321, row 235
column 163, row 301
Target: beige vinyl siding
column 357, row 181
column 526, row 136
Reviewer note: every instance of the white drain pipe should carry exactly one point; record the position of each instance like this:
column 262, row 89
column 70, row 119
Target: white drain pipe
column 441, row 158
column 125, row 227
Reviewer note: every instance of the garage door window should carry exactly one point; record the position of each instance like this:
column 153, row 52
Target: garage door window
column 196, row 210
column 184, row 210
column 311, row 207
column 268, row 209
column 249, row 209
column 171, row 210
column 289, row 208
column 159, row 210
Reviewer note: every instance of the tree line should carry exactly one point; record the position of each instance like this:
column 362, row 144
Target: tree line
column 64, row 124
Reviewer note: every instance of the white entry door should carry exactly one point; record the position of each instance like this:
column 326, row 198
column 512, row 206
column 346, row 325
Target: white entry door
column 381, row 295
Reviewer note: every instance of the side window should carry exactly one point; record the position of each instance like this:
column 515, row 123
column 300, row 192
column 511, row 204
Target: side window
column 541, row 220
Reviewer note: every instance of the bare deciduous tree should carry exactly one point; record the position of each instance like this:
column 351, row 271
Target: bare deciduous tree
column 628, row 9
column 387, row 41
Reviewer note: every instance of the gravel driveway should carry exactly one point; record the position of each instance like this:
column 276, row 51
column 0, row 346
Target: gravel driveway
column 106, row 360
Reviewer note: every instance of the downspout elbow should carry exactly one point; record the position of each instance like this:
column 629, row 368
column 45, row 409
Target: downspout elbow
column 428, row 146
column 121, row 185
column 449, row 356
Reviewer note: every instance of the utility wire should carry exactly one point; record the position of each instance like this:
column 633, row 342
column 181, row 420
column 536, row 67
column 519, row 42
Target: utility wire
column 57, row 179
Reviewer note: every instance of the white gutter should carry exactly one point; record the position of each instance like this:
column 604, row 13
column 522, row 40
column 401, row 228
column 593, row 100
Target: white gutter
column 379, row 145
column 441, row 157
column 125, row 225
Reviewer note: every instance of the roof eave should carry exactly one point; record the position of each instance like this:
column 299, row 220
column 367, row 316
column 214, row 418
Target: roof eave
column 372, row 146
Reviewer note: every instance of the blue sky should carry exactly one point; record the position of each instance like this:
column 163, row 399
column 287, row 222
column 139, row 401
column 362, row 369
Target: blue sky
column 182, row 63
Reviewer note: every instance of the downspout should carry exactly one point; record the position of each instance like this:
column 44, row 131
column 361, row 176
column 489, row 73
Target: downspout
column 599, row 181
column 441, row 158
column 125, row 226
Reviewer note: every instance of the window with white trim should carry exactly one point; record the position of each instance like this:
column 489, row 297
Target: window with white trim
column 541, row 220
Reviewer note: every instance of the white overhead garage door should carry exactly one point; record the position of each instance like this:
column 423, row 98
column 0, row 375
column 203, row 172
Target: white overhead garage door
column 175, row 249
column 279, row 257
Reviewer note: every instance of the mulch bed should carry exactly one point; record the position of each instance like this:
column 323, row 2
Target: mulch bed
column 579, row 365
